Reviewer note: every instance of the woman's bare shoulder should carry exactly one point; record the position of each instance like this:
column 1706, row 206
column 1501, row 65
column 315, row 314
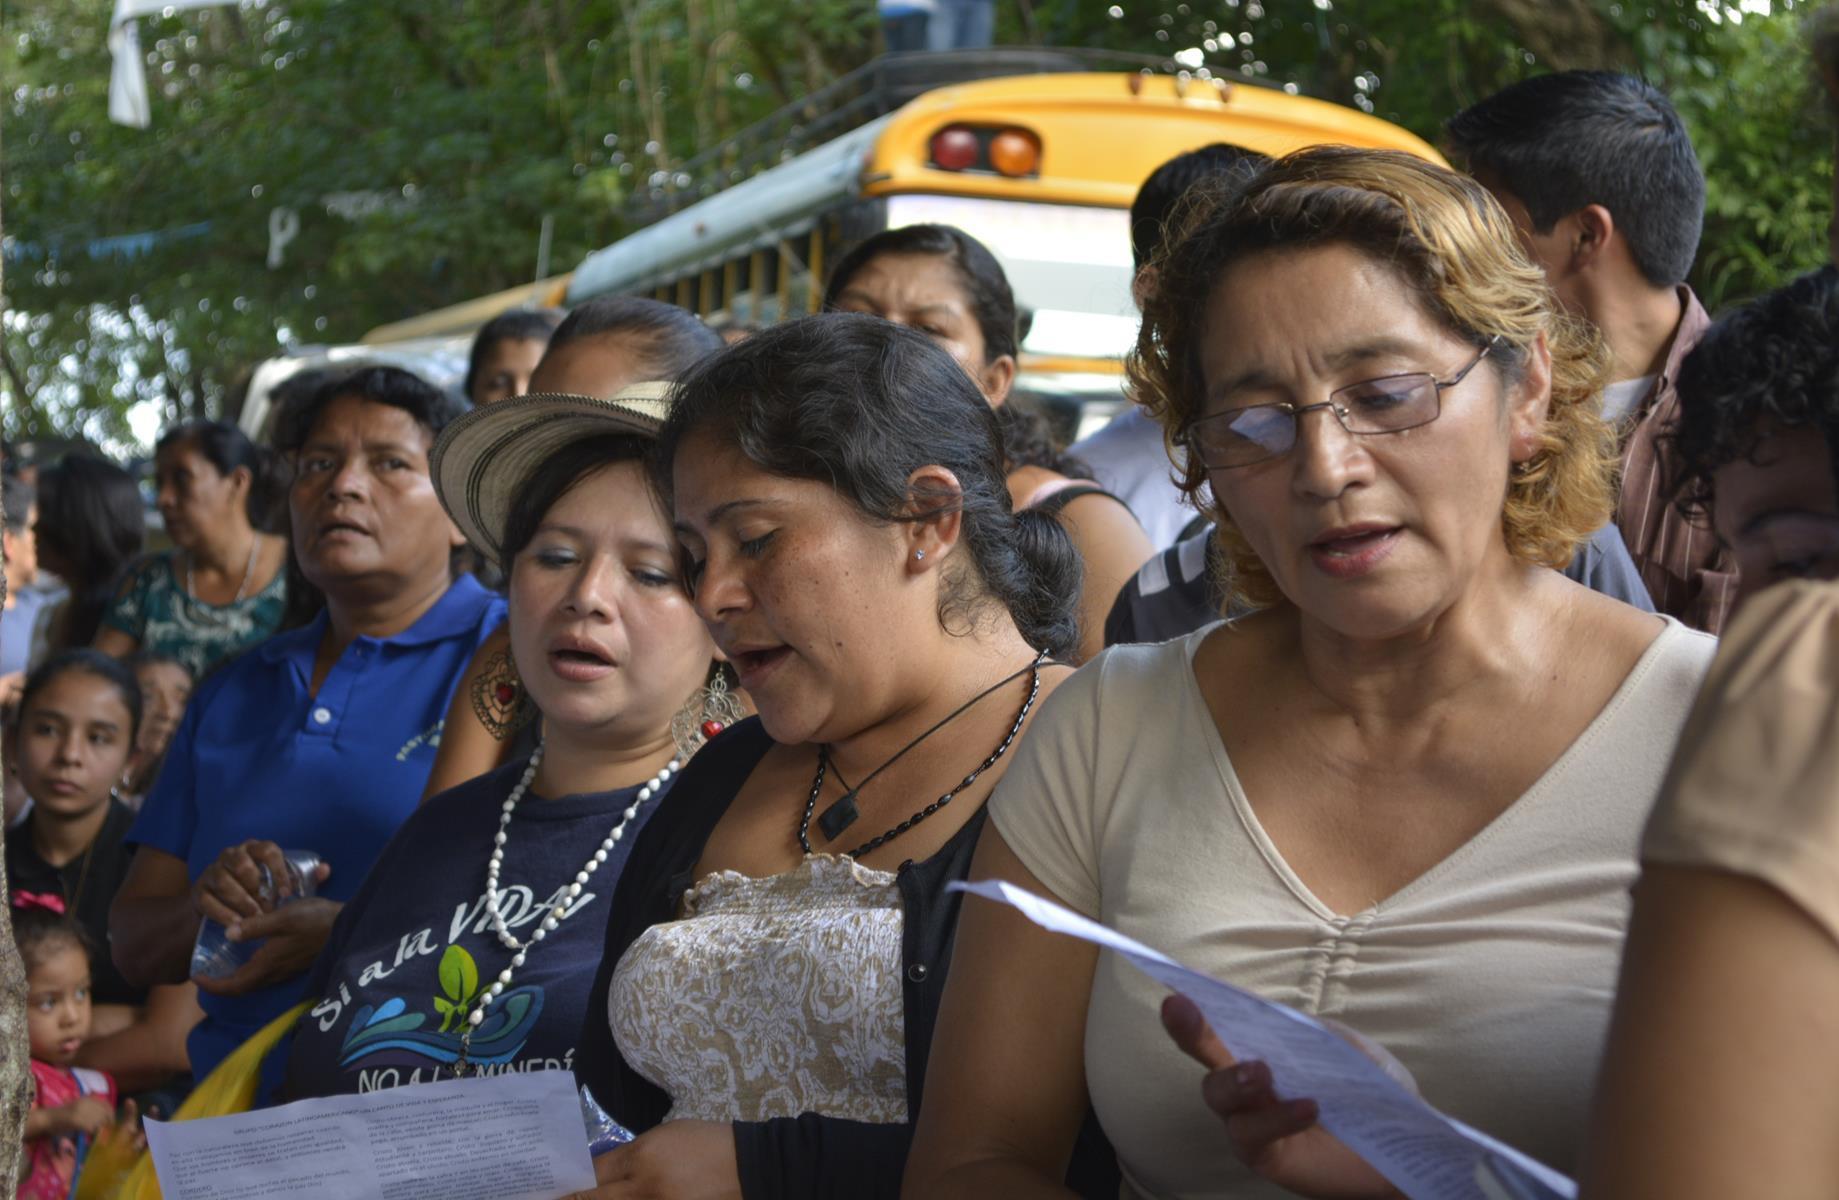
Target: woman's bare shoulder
column 1615, row 629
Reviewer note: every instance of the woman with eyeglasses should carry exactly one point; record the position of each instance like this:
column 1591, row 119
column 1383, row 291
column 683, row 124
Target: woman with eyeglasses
column 1405, row 794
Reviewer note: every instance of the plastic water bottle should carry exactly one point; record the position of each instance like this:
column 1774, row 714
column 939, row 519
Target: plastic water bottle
column 215, row 956
column 603, row 1132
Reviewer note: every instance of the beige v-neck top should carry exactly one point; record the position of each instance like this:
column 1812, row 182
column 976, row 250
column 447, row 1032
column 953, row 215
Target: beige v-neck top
column 1490, row 976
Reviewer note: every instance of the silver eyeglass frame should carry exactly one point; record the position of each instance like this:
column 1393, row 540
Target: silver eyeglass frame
column 1340, row 411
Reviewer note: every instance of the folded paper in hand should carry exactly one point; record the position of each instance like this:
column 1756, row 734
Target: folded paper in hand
column 516, row 1136
column 1424, row 1154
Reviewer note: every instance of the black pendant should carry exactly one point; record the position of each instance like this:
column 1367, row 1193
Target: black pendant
column 839, row 816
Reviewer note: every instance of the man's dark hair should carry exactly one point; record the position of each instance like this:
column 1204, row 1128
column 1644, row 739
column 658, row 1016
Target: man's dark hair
column 431, row 407
column 672, row 339
column 1564, row 141
column 1159, row 197
column 518, row 325
column 1770, row 366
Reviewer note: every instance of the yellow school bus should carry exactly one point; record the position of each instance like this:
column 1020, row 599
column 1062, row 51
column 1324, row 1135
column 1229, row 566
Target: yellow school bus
column 1039, row 163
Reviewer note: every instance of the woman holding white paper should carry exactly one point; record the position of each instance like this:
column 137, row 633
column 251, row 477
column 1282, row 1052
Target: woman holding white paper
column 1406, row 794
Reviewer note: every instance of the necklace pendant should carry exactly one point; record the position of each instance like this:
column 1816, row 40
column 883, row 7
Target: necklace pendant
column 839, row 816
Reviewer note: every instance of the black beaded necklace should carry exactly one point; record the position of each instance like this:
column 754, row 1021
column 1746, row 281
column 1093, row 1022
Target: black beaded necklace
column 842, row 814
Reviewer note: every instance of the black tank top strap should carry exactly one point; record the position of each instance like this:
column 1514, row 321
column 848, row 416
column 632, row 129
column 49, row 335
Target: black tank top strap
column 1056, row 501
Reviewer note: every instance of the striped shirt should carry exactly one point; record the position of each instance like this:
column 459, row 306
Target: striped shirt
column 1687, row 571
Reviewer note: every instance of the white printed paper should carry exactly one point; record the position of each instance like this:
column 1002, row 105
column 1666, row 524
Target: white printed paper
column 1423, row 1153
column 498, row 1137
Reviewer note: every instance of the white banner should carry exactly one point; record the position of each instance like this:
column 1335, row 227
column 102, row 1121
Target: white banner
column 128, row 76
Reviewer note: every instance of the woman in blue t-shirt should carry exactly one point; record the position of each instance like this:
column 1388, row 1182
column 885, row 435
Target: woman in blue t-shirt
column 471, row 945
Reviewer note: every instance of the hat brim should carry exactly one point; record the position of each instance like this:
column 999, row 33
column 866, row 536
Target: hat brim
column 483, row 461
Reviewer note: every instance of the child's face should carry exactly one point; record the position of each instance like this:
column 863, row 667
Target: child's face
column 164, row 689
column 57, row 1004
column 73, row 743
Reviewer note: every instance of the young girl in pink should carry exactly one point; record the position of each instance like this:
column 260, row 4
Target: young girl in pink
column 74, row 1104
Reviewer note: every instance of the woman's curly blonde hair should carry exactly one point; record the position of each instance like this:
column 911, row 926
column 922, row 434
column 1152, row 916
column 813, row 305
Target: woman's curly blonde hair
column 1457, row 249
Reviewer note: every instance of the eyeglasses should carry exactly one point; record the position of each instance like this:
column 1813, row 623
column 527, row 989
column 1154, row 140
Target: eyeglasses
column 1241, row 437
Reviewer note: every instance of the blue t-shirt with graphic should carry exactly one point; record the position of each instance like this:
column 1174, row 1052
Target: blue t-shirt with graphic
column 414, row 949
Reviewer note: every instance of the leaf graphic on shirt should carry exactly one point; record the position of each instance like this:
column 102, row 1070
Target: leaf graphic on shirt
column 459, row 976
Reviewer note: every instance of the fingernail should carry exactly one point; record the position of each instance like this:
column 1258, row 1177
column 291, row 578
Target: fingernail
column 1245, row 1075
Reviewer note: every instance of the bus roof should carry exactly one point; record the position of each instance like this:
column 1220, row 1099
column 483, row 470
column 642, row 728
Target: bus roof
column 1101, row 133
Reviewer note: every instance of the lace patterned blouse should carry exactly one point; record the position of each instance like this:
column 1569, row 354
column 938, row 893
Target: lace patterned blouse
column 153, row 607
column 771, row 997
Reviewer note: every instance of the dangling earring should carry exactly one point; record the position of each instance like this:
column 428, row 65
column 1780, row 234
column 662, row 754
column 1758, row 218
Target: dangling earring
column 712, row 708
column 500, row 700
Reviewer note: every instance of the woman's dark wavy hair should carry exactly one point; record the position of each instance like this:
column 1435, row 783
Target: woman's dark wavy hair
column 228, row 448
column 92, row 520
column 1770, row 365
column 518, row 325
column 860, row 404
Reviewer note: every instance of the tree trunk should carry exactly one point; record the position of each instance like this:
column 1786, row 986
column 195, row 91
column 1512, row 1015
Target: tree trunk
column 15, row 1052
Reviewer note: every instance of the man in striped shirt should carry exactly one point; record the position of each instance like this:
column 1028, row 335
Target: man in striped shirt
column 1598, row 174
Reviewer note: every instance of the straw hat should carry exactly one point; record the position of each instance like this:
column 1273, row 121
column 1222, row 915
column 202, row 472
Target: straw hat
column 483, row 460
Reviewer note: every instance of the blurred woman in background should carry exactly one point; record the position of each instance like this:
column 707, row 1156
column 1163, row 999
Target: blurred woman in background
column 223, row 586
column 91, row 524
column 505, row 352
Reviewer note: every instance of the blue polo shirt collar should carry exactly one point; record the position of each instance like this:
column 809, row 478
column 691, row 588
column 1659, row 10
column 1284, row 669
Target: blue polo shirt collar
column 457, row 612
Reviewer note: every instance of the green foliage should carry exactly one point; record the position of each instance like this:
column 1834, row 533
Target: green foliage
column 459, row 125
column 1766, row 143
column 423, row 142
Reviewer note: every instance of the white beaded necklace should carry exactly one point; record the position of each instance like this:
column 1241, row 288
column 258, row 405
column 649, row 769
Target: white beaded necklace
column 554, row 917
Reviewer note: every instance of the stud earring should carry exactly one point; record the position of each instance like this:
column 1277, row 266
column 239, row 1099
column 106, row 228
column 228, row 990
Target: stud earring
column 919, row 556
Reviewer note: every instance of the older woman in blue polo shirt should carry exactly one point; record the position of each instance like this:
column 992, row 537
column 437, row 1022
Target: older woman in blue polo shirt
column 321, row 738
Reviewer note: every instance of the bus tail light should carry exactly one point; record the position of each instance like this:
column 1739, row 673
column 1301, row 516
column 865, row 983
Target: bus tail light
column 956, row 148
column 1000, row 150
column 1015, row 153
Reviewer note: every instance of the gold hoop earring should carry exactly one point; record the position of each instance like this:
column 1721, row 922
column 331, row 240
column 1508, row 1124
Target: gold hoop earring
column 500, row 700
column 711, row 709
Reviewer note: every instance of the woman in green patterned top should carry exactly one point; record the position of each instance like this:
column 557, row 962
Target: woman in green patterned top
column 223, row 586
